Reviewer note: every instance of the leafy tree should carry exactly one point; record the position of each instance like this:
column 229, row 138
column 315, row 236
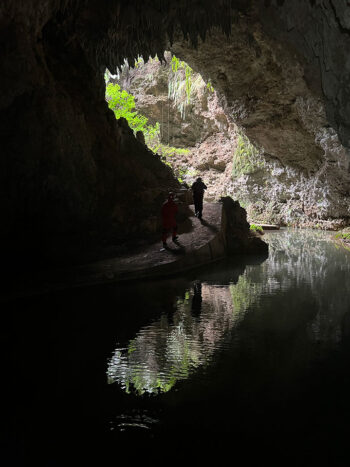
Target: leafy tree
column 123, row 105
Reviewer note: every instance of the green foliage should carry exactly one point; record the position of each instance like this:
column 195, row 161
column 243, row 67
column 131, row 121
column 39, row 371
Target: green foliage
column 123, row 105
column 246, row 158
column 184, row 84
column 256, row 228
column 139, row 62
column 210, row 86
column 167, row 153
column 180, row 174
column 343, row 236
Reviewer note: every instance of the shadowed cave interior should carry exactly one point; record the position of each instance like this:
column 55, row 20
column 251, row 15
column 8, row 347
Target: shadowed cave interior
column 74, row 178
column 77, row 186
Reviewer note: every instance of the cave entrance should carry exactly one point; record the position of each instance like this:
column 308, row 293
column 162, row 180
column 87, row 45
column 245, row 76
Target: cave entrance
column 180, row 116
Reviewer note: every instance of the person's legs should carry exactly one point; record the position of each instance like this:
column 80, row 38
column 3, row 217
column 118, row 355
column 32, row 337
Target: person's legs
column 196, row 204
column 200, row 207
column 175, row 232
column 164, row 235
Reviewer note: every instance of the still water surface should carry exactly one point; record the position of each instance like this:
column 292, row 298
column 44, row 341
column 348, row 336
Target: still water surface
column 248, row 358
column 256, row 353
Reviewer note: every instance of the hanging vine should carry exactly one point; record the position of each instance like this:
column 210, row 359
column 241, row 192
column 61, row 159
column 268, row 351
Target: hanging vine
column 184, row 84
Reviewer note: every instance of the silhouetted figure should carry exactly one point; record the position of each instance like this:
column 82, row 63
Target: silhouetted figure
column 198, row 188
column 197, row 299
column 169, row 211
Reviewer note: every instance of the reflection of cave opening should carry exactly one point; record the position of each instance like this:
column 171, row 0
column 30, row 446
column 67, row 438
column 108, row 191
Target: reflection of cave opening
column 172, row 349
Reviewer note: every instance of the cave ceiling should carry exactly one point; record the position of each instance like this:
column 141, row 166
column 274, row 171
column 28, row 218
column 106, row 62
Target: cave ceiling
column 280, row 67
column 313, row 36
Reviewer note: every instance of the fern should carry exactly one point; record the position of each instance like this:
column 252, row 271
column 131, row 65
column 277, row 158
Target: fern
column 246, row 158
column 184, row 84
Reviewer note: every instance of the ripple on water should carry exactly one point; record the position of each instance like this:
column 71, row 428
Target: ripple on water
column 300, row 284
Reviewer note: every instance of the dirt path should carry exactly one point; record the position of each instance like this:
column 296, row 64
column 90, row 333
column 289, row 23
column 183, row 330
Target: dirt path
column 201, row 244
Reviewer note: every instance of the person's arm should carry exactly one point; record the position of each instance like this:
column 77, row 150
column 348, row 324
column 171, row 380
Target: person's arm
column 205, row 186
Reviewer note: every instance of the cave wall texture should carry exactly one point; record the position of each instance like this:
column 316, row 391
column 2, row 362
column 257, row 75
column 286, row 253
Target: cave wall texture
column 69, row 170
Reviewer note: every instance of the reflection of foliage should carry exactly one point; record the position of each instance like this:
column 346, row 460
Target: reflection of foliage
column 246, row 158
column 169, row 358
column 343, row 235
column 244, row 294
column 304, row 274
column 164, row 353
column 343, row 238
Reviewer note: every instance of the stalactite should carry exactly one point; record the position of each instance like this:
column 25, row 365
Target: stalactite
column 143, row 28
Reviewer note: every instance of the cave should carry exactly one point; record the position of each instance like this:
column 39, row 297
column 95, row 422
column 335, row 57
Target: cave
column 77, row 185
column 287, row 89
column 200, row 133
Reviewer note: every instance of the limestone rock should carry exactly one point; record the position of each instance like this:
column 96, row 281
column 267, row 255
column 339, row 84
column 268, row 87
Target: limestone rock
column 236, row 232
column 70, row 171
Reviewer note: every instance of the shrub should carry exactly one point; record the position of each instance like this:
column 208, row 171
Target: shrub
column 343, row 236
column 256, row 228
column 123, row 105
column 246, row 158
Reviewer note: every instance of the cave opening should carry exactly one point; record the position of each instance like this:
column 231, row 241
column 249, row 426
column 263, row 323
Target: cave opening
column 244, row 355
column 253, row 128
column 76, row 167
column 180, row 117
column 174, row 112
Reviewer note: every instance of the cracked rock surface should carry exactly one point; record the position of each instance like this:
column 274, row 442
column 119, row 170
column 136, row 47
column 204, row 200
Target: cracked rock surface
column 73, row 176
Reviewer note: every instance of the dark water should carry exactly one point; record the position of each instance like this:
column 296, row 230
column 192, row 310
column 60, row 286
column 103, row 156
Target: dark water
column 247, row 359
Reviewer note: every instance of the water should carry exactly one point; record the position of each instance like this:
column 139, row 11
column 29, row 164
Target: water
column 247, row 358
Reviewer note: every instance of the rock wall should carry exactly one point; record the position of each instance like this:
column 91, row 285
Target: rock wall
column 203, row 128
column 68, row 170
column 285, row 187
column 72, row 177
column 264, row 89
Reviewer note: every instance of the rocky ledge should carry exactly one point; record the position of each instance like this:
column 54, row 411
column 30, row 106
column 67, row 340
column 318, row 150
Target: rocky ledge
column 223, row 231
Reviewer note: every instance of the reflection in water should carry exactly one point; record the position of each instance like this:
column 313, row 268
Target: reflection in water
column 264, row 347
column 163, row 352
column 197, row 298
column 295, row 299
column 308, row 267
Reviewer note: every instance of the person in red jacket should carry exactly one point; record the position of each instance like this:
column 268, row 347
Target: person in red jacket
column 169, row 211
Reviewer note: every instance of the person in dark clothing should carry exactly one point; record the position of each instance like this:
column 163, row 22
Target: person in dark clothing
column 198, row 188
column 197, row 299
column 169, row 211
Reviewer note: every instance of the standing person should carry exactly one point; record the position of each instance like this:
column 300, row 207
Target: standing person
column 198, row 188
column 169, row 211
